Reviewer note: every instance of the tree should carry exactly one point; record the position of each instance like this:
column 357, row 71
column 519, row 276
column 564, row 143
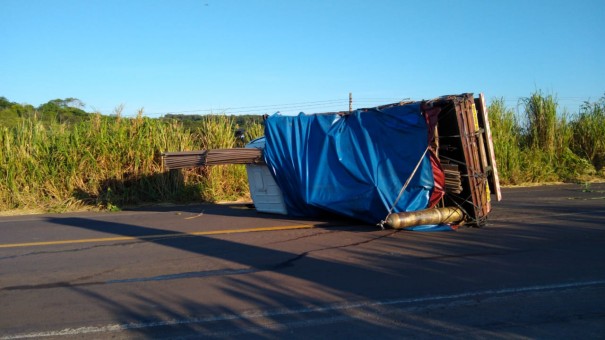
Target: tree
column 67, row 110
column 5, row 103
column 11, row 113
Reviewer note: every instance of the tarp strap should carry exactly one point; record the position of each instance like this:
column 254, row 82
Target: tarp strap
column 405, row 185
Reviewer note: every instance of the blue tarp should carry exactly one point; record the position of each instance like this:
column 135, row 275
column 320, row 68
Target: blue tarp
column 352, row 165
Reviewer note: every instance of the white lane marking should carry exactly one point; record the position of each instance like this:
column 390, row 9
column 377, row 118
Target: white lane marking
column 282, row 312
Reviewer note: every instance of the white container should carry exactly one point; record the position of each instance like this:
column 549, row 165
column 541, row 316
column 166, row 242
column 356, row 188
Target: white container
column 265, row 192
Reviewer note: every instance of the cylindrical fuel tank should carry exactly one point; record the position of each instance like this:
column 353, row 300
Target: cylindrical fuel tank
column 421, row 217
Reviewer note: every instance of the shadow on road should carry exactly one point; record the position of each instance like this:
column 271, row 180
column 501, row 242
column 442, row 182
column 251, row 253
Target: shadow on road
column 321, row 279
column 402, row 266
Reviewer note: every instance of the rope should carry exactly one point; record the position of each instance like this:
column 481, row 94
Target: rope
column 381, row 224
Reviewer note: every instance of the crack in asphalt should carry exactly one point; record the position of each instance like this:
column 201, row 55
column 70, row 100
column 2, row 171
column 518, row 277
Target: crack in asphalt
column 87, row 277
column 305, row 236
column 187, row 275
column 290, row 262
column 62, row 284
column 486, row 253
column 70, row 250
column 319, row 233
column 199, row 274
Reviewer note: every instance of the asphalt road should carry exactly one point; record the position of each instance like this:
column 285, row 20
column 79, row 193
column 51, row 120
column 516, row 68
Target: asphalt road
column 536, row 271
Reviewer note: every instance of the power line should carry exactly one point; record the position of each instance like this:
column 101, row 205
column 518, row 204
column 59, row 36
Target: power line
column 329, row 105
column 261, row 107
column 299, row 106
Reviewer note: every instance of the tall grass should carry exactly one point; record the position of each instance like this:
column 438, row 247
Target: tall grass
column 546, row 150
column 254, row 130
column 104, row 162
column 110, row 162
column 113, row 161
column 223, row 182
column 541, row 113
column 588, row 131
column 507, row 141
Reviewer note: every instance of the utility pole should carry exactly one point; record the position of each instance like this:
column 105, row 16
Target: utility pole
column 350, row 102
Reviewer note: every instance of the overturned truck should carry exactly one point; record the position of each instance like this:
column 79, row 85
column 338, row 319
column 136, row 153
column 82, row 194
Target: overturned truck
column 414, row 165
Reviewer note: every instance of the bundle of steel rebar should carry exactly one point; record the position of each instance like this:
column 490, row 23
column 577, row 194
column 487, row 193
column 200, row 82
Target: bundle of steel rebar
column 192, row 159
column 234, row 156
column 184, row 159
column 453, row 183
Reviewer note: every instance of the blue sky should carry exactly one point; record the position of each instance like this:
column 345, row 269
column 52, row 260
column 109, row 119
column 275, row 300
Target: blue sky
column 262, row 56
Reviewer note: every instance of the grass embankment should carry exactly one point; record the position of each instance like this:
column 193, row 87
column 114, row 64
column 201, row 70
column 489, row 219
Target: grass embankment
column 109, row 162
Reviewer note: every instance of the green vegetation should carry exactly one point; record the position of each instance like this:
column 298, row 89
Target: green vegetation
column 225, row 181
column 551, row 146
column 67, row 110
column 57, row 157
column 192, row 121
column 588, row 131
column 506, row 135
